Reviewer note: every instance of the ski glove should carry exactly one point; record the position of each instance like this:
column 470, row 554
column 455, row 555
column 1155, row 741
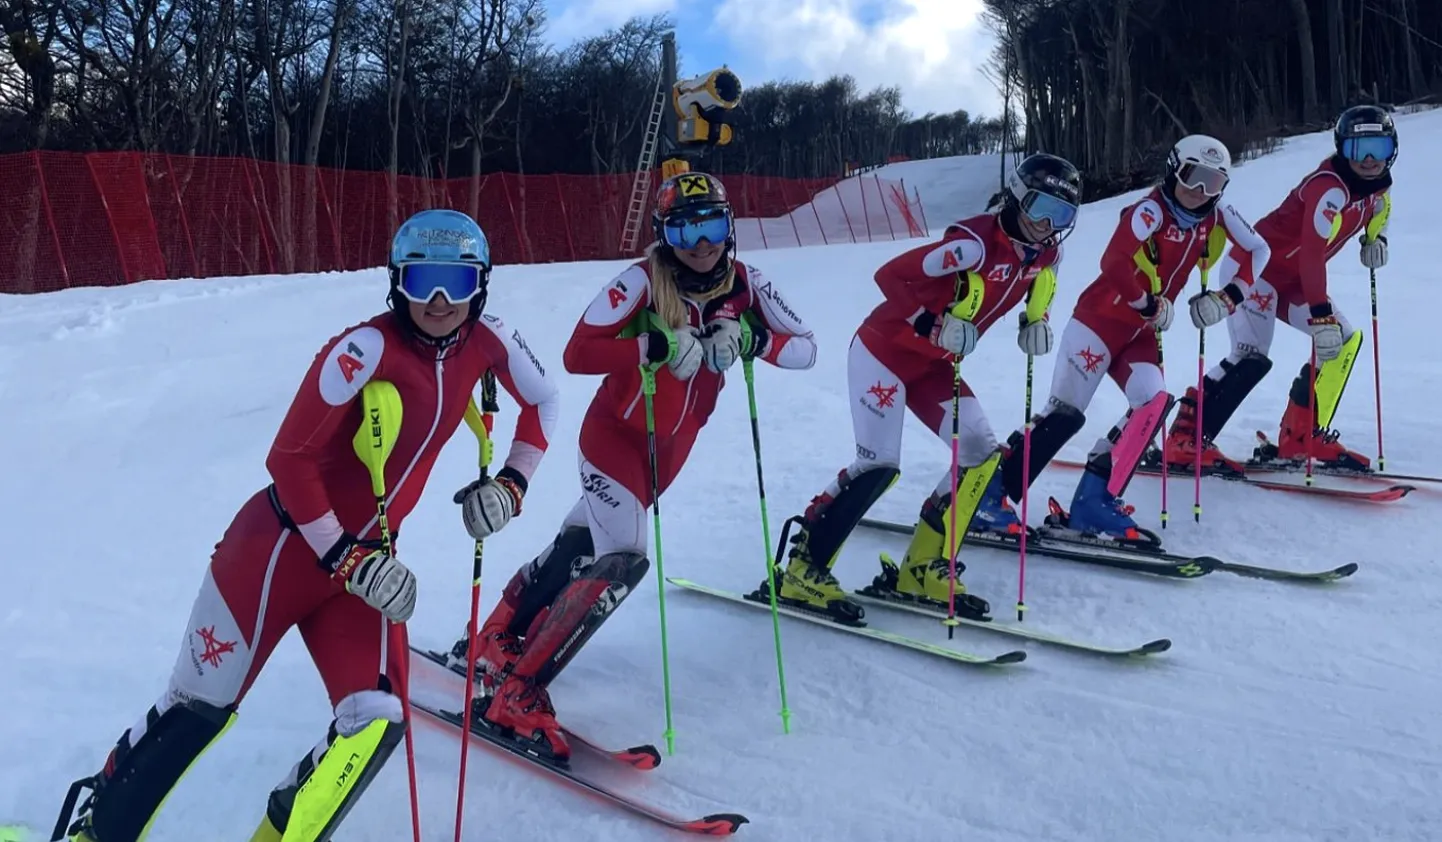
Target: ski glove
column 957, row 336
column 1212, row 306
column 366, row 570
column 723, row 342
column 1157, row 311
column 681, row 351
column 1374, row 252
column 1326, row 337
column 487, row 505
column 1034, row 338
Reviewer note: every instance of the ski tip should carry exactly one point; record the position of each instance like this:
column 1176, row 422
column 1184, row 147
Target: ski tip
column 645, row 757
column 1014, row 657
column 717, row 824
column 1155, row 647
column 1342, row 572
column 1397, row 492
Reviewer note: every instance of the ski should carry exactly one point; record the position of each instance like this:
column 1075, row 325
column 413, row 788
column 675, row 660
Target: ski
column 1093, row 552
column 717, row 824
column 643, row 757
column 1389, row 494
column 1142, row 561
column 1013, row 657
column 882, row 593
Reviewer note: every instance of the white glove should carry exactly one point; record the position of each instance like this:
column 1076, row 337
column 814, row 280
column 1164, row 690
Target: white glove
column 1034, row 338
column 377, row 578
column 488, row 505
column 1210, row 307
column 1374, row 252
column 721, row 344
column 1326, row 337
column 1162, row 318
column 689, row 353
column 955, row 335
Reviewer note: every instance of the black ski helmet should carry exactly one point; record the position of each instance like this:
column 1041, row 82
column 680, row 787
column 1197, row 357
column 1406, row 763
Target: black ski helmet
column 1044, row 187
column 1364, row 121
column 683, row 203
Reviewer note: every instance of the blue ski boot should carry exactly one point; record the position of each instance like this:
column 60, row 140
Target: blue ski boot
column 1094, row 510
column 994, row 514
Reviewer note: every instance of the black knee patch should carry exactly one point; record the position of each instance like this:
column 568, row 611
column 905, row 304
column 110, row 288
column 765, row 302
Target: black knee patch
column 1221, row 398
column 550, row 572
column 836, row 522
column 580, row 609
column 139, row 776
column 1049, row 434
column 1301, row 391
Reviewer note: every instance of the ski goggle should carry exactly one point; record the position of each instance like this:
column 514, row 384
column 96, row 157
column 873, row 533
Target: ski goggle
column 1377, row 147
column 458, row 282
column 1200, row 177
column 713, row 226
column 1040, row 207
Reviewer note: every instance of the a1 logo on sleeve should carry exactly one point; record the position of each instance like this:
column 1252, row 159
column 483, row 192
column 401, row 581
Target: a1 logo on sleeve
column 616, row 295
column 350, row 365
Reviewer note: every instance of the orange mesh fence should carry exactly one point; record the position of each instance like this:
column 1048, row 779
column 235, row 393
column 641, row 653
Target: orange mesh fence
column 103, row 219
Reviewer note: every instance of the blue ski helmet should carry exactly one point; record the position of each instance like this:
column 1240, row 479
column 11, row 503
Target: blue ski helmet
column 439, row 251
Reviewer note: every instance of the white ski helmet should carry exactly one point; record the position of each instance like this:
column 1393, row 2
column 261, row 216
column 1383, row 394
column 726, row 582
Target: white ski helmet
column 1200, row 162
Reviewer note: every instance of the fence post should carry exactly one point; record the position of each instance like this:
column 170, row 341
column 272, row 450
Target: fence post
column 184, row 218
column 865, row 211
column 886, row 207
column 521, row 241
column 260, row 221
column 925, row 227
column 109, row 217
column 330, row 214
column 566, row 215
column 50, row 218
column 845, row 214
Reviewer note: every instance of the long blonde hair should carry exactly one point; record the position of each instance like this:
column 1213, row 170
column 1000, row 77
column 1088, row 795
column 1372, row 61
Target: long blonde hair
column 666, row 296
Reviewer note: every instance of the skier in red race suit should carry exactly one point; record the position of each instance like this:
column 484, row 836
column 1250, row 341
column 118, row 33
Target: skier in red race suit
column 901, row 358
column 305, row 552
column 1346, row 195
column 688, row 311
column 1115, row 328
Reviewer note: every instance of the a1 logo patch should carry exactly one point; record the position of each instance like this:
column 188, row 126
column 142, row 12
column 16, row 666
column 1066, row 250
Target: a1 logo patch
column 350, row 365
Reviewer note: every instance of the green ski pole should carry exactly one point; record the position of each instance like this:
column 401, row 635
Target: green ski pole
column 648, row 388
column 748, row 367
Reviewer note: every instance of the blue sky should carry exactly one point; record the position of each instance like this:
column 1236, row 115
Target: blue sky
column 932, row 49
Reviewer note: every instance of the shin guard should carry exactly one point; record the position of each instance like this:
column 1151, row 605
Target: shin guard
column 1332, row 377
column 1130, row 439
column 971, row 487
column 1220, row 398
column 142, row 770
column 834, row 523
column 1049, row 434
column 326, row 787
column 583, row 605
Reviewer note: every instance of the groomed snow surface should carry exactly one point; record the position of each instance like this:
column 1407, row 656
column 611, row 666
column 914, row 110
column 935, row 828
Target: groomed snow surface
column 137, row 420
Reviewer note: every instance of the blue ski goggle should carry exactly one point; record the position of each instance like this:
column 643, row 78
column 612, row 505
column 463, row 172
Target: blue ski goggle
column 1040, row 206
column 1377, row 147
column 458, row 282
column 712, row 225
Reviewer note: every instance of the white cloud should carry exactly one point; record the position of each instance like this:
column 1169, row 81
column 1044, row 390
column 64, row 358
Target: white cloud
column 580, row 19
column 932, row 49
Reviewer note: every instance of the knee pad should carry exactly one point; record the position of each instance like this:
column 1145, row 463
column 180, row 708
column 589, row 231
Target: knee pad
column 327, row 782
column 580, row 609
column 143, row 769
column 1049, row 434
column 834, row 523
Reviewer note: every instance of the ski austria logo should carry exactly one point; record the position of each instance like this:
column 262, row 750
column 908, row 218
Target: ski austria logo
column 350, row 365
column 1146, row 219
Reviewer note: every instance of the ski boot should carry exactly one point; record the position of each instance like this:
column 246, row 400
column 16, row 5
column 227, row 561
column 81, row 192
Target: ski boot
column 521, row 709
column 924, row 575
column 994, row 514
column 1299, row 436
column 1181, row 444
column 1095, row 512
column 808, row 586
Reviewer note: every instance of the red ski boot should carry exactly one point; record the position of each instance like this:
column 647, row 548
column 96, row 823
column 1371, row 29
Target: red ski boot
column 1181, row 443
column 522, row 706
column 497, row 648
column 1298, row 435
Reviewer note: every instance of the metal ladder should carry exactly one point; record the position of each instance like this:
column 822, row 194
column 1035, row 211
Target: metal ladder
column 641, row 187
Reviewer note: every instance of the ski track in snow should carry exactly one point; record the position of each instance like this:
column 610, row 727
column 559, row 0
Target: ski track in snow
column 137, row 421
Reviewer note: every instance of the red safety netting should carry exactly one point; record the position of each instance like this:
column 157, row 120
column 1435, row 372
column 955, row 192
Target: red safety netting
column 103, row 219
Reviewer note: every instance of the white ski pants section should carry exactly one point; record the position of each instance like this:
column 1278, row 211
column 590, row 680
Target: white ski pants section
column 1254, row 323
column 1084, row 359
column 615, row 516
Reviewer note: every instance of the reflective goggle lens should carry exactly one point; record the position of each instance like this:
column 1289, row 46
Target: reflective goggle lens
column 458, row 282
column 1043, row 206
column 1377, row 147
column 1203, row 178
column 688, row 232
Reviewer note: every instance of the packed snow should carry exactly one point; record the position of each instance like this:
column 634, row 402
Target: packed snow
column 137, row 420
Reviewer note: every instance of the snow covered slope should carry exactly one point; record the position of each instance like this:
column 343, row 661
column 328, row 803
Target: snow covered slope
column 137, row 419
